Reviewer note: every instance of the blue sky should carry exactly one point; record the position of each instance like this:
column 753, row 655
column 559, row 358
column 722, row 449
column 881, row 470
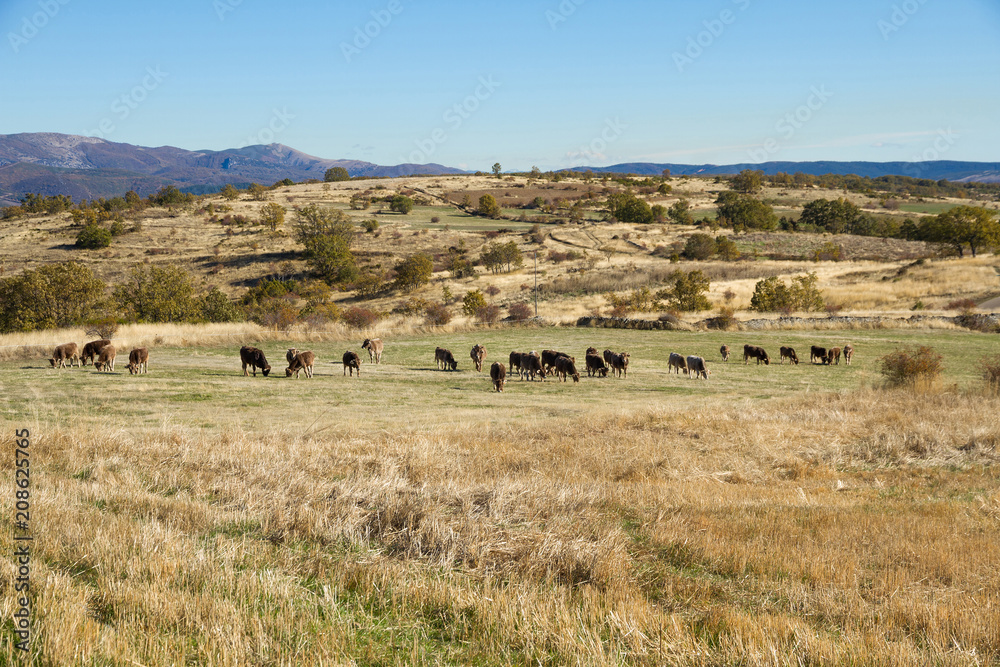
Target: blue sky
column 554, row 84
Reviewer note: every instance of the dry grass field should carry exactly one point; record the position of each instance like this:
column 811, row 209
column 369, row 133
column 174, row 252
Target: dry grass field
column 770, row 515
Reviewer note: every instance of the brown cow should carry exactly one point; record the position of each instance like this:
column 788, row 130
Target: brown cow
column 567, row 366
column 833, row 356
column 138, row 360
column 374, row 347
column 91, row 350
column 788, row 353
column 353, row 362
column 445, row 359
column 724, row 351
column 755, row 352
column 817, row 353
column 677, row 363
column 62, row 353
column 595, row 364
column 848, row 353
column 697, row 368
column 549, row 359
column 478, row 354
column 499, row 375
column 106, row 359
column 290, row 355
column 619, row 363
column 302, row 361
column 254, row 358
column 515, row 362
column 531, row 365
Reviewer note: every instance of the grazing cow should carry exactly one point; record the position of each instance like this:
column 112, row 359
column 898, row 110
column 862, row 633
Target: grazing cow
column 754, row 352
column 619, row 363
column 607, row 356
column 848, row 353
column 515, row 362
column 352, row 361
column 833, row 356
column 138, row 360
column 697, row 368
column 478, row 354
column 62, row 353
column 596, row 365
column 290, row 355
column 788, row 353
column 106, row 359
column 724, row 351
column 374, row 347
column 499, row 375
column 567, row 366
column 254, row 358
column 549, row 359
column 531, row 365
column 677, row 363
column 302, row 361
column 591, row 350
column 445, row 359
column 817, row 354
column 91, row 350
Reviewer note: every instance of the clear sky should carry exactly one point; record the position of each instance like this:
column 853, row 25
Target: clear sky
column 552, row 84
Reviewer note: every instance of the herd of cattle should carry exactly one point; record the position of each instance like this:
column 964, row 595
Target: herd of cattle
column 528, row 365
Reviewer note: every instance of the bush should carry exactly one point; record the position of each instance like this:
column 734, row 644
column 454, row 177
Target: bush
column 964, row 305
column 158, row 294
column 520, row 311
column 437, row 314
column 488, row 314
column 93, row 237
column 117, row 228
column 472, row 302
column 360, row 318
column 370, row 225
column 216, row 307
column 55, row 295
column 688, row 292
column 414, row 271
column 699, row 247
column 773, row 295
column 488, row 206
column 911, row 367
column 991, row 373
column 401, row 204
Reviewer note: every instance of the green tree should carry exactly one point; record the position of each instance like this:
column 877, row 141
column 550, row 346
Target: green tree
column 687, row 292
column 473, row 302
column 973, row 226
column 157, row 294
column 744, row 211
column 501, row 257
column 55, row 295
column 229, row 192
column 216, row 307
column 496, row 169
column 93, row 237
column 327, row 236
column 488, row 206
column 680, row 212
column 401, row 204
column 726, row 249
column 748, row 181
column 334, row 174
column 257, row 192
column 699, row 247
column 773, row 295
column 626, row 207
column 272, row 216
column 414, row 271
column 839, row 216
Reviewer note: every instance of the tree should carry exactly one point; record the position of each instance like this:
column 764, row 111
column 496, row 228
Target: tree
column 687, row 292
column 359, row 202
column 699, row 247
column 497, row 257
column 93, row 237
column 680, row 212
column 837, row 217
column 257, row 192
column 413, row 272
column 216, row 307
column 748, row 181
column 157, row 294
column 772, row 294
column 55, row 295
column 272, row 216
column 626, row 207
column 726, row 249
column 473, row 302
column 744, row 211
column 327, row 236
column 488, row 206
column 974, row 226
column 496, row 169
column 334, row 174
column 229, row 192
column 401, row 204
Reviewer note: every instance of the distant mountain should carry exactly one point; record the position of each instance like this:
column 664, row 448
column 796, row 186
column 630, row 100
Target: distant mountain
column 88, row 168
column 961, row 172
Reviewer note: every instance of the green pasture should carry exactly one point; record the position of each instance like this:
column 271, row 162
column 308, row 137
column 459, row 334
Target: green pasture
column 203, row 388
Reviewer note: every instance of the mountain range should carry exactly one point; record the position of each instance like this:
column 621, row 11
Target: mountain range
column 88, row 168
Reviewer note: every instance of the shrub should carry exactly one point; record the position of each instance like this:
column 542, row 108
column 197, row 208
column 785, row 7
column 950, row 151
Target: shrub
column 158, row 294
column 488, row 206
column 369, row 284
column 773, row 295
column 272, row 216
column 93, row 237
column 688, row 292
column 401, row 204
column 437, row 314
column 216, row 307
column 117, row 228
column 54, row 295
column 828, row 252
column 104, row 327
column 626, row 207
column 699, row 247
column 991, row 373
column 276, row 313
column 414, row 271
column 488, row 314
column 360, row 318
column 964, row 305
column 472, row 302
column 911, row 367
column 520, row 311
column 370, row 225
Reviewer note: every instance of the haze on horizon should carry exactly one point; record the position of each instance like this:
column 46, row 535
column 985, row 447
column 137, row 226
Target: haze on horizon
column 553, row 84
